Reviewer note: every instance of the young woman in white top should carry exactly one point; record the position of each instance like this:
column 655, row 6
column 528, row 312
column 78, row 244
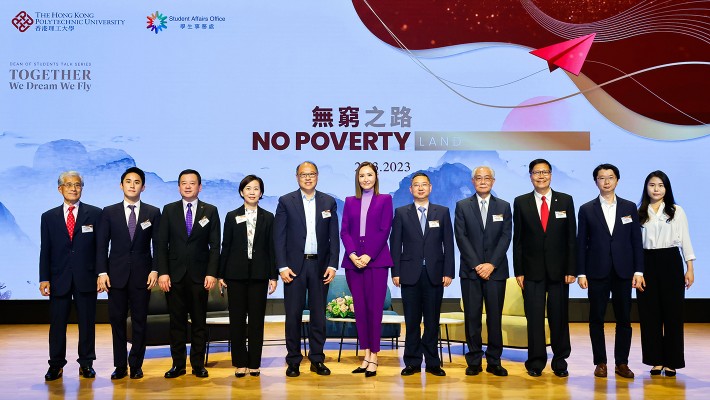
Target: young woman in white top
column 666, row 243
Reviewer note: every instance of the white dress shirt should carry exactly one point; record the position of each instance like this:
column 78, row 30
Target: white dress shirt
column 128, row 210
column 609, row 210
column 660, row 233
column 194, row 210
column 75, row 211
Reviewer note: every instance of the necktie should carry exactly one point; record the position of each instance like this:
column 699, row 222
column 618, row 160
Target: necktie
column 422, row 220
column 188, row 219
column 71, row 222
column 484, row 213
column 544, row 213
column 132, row 221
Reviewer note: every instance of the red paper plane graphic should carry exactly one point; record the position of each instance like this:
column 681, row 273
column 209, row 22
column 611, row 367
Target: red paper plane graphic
column 568, row 55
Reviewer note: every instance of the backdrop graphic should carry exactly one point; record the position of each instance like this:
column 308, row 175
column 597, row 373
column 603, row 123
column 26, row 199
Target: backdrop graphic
column 234, row 87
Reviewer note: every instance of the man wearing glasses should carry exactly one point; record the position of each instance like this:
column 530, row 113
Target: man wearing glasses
column 67, row 271
column 484, row 228
column 544, row 260
column 307, row 245
column 422, row 247
column 610, row 261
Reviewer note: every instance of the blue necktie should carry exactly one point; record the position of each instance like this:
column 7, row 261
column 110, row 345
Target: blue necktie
column 422, row 220
column 188, row 219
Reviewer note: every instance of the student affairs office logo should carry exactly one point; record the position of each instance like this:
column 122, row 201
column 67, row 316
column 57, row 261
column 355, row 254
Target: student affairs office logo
column 156, row 22
column 22, row 21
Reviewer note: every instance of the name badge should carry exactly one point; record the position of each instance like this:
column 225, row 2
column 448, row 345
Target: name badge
column 498, row 218
column 434, row 224
column 204, row 221
column 87, row 228
column 241, row 218
column 560, row 214
column 145, row 225
column 326, row 214
column 626, row 220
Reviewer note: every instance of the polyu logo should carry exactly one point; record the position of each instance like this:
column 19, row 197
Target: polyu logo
column 156, row 22
column 22, row 21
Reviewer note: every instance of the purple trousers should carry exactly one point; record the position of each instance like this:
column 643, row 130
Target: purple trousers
column 369, row 288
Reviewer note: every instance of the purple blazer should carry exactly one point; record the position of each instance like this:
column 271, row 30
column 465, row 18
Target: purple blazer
column 377, row 230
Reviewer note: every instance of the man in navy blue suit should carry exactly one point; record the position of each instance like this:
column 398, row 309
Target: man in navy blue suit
column 129, row 271
column 609, row 260
column 67, row 271
column 307, row 245
column 422, row 247
column 483, row 228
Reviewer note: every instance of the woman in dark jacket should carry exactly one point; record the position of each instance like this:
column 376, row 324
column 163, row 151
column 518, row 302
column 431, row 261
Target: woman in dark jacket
column 248, row 269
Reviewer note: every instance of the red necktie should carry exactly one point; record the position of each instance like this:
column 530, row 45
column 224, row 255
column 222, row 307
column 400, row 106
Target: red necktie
column 544, row 213
column 71, row 222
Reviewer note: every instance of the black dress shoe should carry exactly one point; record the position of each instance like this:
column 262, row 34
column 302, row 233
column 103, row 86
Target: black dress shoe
column 409, row 370
column 472, row 370
column 359, row 370
column 320, row 368
column 292, row 371
column 562, row 373
column 174, row 372
column 255, row 373
column 656, row 371
column 669, row 372
column 136, row 373
column 534, row 372
column 53, row 373
column 200, row 372
column 87, row 372
column 436, row 371
column 119, row 373
column 497, row 370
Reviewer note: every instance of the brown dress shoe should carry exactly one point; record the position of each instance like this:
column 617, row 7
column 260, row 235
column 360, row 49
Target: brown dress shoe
column 600, row 370
column 624, row 371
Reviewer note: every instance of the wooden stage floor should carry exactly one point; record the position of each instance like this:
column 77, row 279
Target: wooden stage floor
column 24, row 351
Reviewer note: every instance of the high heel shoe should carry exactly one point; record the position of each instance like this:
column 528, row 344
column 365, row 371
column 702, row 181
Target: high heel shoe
column 369, row 373
column 669, row 372
column 254, row 372
column 361, row 370
column 655, row 371
column 240, row 374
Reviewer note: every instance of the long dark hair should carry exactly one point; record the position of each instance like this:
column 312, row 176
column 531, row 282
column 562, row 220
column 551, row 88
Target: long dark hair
column 358, row 188
column 668, row 198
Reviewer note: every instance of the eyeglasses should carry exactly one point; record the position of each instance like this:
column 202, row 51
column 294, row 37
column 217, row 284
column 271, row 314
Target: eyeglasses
column 606, row 179
column 483, row 178
column 308, row 175
column 542, row 172
column 420, row 185
column 70, row 185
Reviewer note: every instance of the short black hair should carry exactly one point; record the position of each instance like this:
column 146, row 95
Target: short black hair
column 249, row 179
column 188, row 172
column 134, row 170
column 421, row 174
column 606, row 166
column 537, row 161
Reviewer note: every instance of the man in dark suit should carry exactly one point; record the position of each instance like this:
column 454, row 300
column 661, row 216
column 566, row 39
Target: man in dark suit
column 610, row 260
column 544, row 258
column 67, row 271
column 128, row 271
column 483, row 228
column 188, row 260
column 422, row 247
column 307, row 245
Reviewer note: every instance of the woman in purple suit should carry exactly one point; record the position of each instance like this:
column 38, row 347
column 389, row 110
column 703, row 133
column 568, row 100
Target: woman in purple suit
column 367, row 220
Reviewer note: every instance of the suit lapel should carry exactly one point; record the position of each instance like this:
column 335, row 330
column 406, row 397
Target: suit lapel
column 59, row 216
column 414, row 218
column 298, row 203
column 81, row 218
column 139, row 219
column 431, row 215
column 260, row 226
column 599, row 214
column 534, row 215
column 477, row 211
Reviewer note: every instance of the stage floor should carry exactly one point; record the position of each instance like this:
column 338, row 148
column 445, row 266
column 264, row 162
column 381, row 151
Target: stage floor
column 24, row 349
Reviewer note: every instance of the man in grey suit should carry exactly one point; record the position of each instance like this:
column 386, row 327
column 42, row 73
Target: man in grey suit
column 483, row 228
